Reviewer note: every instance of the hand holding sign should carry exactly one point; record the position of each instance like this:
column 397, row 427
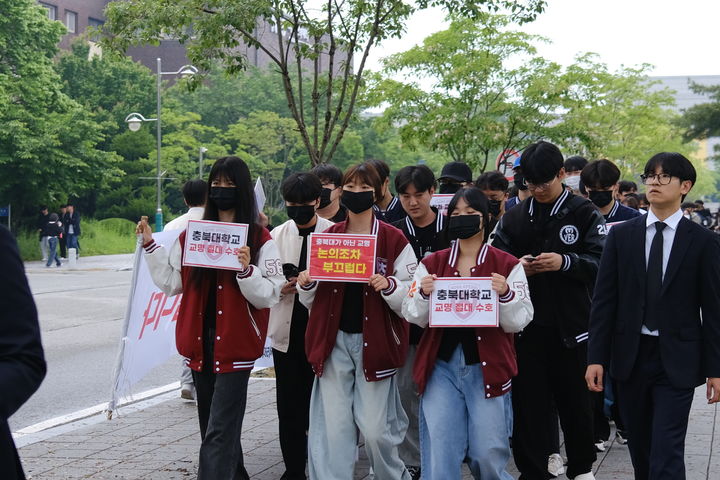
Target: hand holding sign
column 144, row 229
column 244, row 257
column 427, row 284
column 499, row 284
column 378, row 282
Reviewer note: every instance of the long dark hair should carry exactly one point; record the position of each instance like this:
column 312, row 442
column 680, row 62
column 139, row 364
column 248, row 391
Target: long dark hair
column 235, row 170
column 474, row 197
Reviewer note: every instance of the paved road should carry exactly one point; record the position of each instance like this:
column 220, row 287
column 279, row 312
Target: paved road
column 81, row 315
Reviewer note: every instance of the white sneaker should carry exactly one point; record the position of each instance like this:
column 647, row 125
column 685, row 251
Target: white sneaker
column 188, row 391
column 585, row 476
column 556, row 466
column 600, row 446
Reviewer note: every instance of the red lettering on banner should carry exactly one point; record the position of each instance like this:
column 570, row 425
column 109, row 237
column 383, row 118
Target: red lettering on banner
column 157, row 305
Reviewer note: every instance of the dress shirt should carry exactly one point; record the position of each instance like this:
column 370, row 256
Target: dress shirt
column 668, row 237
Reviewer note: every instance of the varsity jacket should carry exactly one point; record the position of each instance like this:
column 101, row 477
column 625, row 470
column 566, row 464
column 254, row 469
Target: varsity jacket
column 495, row 344
column 385, row 333
column 576, row 230
column 394, row 211
column 440, row 241
column 243, row 300
column 620, row 213
column 289, row 243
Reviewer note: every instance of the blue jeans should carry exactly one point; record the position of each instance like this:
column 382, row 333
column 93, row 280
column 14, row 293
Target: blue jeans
column 72, row 242
column 458, row 422
column 52, row 251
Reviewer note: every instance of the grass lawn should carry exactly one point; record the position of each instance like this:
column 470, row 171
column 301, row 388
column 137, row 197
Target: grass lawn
column 99, row 237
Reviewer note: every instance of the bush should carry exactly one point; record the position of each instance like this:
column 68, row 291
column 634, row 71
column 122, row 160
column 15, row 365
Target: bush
column 99, row 237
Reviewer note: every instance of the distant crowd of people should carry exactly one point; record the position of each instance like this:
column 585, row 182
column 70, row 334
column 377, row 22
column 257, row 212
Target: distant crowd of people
column 600, row 293
column 58, row 230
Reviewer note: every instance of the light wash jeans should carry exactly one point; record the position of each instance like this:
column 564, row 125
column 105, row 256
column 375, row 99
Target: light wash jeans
column 44, row 247
column 342, row 403
column 457, row 423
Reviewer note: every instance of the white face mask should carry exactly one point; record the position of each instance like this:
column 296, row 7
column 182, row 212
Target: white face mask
column 573, row 182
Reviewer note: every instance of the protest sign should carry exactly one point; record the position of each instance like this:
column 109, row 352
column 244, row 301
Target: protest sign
column 342, row 257
column 441, row 201
column 214, row 244
column 259, row 195
column 464, row 302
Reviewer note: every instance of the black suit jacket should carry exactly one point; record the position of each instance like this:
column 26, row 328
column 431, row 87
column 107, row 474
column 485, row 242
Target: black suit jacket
column 22, row 364
column 689, row 343
column 73, row 220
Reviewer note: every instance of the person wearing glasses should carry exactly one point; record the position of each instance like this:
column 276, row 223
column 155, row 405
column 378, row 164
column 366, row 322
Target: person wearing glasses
column 558, row 238
column 656, row 326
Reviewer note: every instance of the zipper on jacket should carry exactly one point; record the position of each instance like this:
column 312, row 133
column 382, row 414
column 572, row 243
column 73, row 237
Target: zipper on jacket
column 252, row 321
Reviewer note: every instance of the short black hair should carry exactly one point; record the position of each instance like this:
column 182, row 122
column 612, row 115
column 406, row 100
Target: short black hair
column 478, row 201
column 627, row 186
column 575, row 163
column 493, row 180
column 301, row 188
column 420, row 176
column 195, row 192
column 685, row 205
column 328, row 173
column 699, row 202
column 43, row 207
column 381, row 167
column 672, row 163
column 541, row 162
column 600, row 174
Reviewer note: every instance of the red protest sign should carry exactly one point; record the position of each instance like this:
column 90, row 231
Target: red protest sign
column 342, row 257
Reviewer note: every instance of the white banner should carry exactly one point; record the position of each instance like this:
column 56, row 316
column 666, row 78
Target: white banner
column 464, row 302
column 441, row 201
column 149, row 331
column 214, row 244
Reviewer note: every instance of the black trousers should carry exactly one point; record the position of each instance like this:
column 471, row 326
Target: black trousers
column 293, row 385
column 655, row 415
column 63, row 247
column 550, row 373
column 221, row 401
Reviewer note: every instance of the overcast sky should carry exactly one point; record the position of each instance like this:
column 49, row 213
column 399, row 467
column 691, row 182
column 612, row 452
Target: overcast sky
column 677, row 37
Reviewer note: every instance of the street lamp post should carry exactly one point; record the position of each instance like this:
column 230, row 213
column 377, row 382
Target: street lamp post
column 134, row 120
column 200, row 161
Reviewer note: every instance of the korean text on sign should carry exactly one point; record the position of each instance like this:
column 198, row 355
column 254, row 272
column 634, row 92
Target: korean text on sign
column 214, row 244
column 441, row 202
column 464, row 302
column 342, row 257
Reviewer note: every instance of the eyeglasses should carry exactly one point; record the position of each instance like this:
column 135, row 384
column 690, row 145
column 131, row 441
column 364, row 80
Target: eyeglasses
column 660, row 178
column 538, row 186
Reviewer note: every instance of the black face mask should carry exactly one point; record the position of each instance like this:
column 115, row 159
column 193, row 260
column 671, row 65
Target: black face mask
column 224, row 198
column 601, row 199
column 301, row 214
column 446, row 188
column 494, row 207
column 463, row 226
column 357, row 202
column 325, row 197
column 519, row 181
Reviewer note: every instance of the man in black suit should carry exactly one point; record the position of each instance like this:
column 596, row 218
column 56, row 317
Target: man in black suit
column 22, row 364
column 655, row 320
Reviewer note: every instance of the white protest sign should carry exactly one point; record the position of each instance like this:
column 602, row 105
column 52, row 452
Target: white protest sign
column 464, row 302
column 259, row 195
column 214, row 244
column 441, row 201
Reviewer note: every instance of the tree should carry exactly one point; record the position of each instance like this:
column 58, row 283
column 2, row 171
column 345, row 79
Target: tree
column 703, row 120
column 458, row 93
column 48, row 143
column 304, row 34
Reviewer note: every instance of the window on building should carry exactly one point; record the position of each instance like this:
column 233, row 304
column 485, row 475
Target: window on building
column 71, row 21
column 51, row 10
column 94, row 22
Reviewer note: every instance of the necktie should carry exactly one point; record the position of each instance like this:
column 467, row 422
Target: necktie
column 653, row 284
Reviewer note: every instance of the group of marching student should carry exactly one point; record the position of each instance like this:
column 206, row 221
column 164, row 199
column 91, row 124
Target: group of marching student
column 358, row 358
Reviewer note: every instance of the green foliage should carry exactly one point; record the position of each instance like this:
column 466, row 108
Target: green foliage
column 48, row 143
column 342, row 34
column 99, row 237
column 457, row 93
column 703, row 120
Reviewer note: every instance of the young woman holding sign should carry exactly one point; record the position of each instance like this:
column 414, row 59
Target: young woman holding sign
column 463, row 374
column 356, row 341
column 223, row 316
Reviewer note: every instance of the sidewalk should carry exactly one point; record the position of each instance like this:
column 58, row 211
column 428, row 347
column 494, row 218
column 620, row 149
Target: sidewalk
column 121, row 261
column 162, row 442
